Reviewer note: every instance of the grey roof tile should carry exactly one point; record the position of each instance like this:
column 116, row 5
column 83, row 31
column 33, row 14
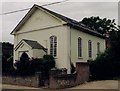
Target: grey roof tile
column 34, row 44
column 73, row 23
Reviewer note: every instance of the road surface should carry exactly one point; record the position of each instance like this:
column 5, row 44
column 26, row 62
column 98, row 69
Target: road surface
column 104, row 84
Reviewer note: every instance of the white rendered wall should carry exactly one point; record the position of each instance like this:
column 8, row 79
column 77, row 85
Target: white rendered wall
column 85, row 38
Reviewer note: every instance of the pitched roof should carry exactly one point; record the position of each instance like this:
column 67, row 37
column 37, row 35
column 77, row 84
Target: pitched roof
column 31, row 43
column 70, row 22
column 34, row 44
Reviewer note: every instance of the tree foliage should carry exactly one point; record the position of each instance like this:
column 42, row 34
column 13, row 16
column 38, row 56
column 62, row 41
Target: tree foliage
column 107, row 64
column 7, row 56
column 100, row 25
column 26, row 66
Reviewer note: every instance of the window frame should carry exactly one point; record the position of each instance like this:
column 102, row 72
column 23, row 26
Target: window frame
column 53, row 45
column 90, row 49
column 79, row 47
column 98, row 47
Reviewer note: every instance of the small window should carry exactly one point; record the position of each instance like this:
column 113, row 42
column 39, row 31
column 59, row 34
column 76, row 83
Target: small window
column 90, row 48
column 79, row 47
column 98, row 48
column 53, row 46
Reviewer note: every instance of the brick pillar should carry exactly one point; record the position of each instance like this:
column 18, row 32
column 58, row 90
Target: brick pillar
column 82, row 70
column 39, row 80
column 54, row 72
column 52, row 80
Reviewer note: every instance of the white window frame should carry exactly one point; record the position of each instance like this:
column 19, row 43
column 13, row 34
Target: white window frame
column 90, row 49
column 53, row 45
column 79, row 47
column 98, row 47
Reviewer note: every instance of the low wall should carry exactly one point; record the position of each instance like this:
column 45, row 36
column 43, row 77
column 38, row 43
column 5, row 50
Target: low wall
column 59, row 80
column 62, row 81
column 23, row 81
column 83, row 73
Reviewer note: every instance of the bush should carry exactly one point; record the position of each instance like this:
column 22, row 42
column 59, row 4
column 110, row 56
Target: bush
column 26, row 67
column 104, row 66
column 7, row 65
column 23, row 65
column 72, row 68
column 49, row 62
column 7, row 58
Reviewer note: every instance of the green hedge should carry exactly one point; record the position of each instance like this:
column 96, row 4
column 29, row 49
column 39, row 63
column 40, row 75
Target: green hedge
column 26, row 66
column 104, row 67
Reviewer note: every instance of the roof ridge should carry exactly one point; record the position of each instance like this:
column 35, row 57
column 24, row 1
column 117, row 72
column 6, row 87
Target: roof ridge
column 51, row 11
column 71, row 22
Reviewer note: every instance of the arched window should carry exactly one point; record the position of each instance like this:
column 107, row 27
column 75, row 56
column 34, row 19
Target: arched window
column 98, row 47
column 79, row 47
column 90, row 48
column 53, row 46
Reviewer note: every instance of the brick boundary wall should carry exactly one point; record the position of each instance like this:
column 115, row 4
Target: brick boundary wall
column 59, row 81
column 58, row 78
column 23, row 81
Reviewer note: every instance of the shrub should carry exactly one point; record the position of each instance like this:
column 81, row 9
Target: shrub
column 72, row 68
column 104, row 66
column 26, row 67
column 7, row 65
column 7, row 59
column 23, row 65
column 36, row 65
column 49, row 62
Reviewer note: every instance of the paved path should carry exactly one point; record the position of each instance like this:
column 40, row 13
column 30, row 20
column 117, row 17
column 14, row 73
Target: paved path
column 105, row 84
column 7, row 86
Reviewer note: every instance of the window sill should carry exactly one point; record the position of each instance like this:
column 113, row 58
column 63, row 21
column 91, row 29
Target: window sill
column 55, row 58
column 90, row 58
column 80, row 57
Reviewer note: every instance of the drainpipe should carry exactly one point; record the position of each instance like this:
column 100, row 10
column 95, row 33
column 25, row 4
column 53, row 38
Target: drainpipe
column 46, row 46
column 70, row 48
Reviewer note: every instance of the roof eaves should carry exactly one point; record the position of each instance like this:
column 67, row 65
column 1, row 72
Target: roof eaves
column 86, row 30
column 36, row 44
column 71, row 22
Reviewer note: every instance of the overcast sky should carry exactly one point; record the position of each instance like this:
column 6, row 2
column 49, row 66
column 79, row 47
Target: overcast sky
column 74, row 10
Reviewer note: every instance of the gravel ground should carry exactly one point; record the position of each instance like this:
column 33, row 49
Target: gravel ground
column 8, row 86
column 104, row 84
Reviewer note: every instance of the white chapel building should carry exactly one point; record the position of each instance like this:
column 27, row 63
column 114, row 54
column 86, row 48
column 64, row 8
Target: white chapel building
column 43, row 31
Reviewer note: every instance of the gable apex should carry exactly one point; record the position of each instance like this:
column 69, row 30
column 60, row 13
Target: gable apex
column 30, row 12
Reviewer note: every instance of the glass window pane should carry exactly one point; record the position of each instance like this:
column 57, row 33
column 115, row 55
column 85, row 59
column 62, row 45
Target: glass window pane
column 53, row 45
column 79, row 47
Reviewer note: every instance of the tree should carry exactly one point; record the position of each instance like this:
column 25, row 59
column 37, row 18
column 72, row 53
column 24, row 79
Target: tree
column 100, row 25
column 27, row 67
column 7, row 56
column 107, row 64
column 23, row 64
